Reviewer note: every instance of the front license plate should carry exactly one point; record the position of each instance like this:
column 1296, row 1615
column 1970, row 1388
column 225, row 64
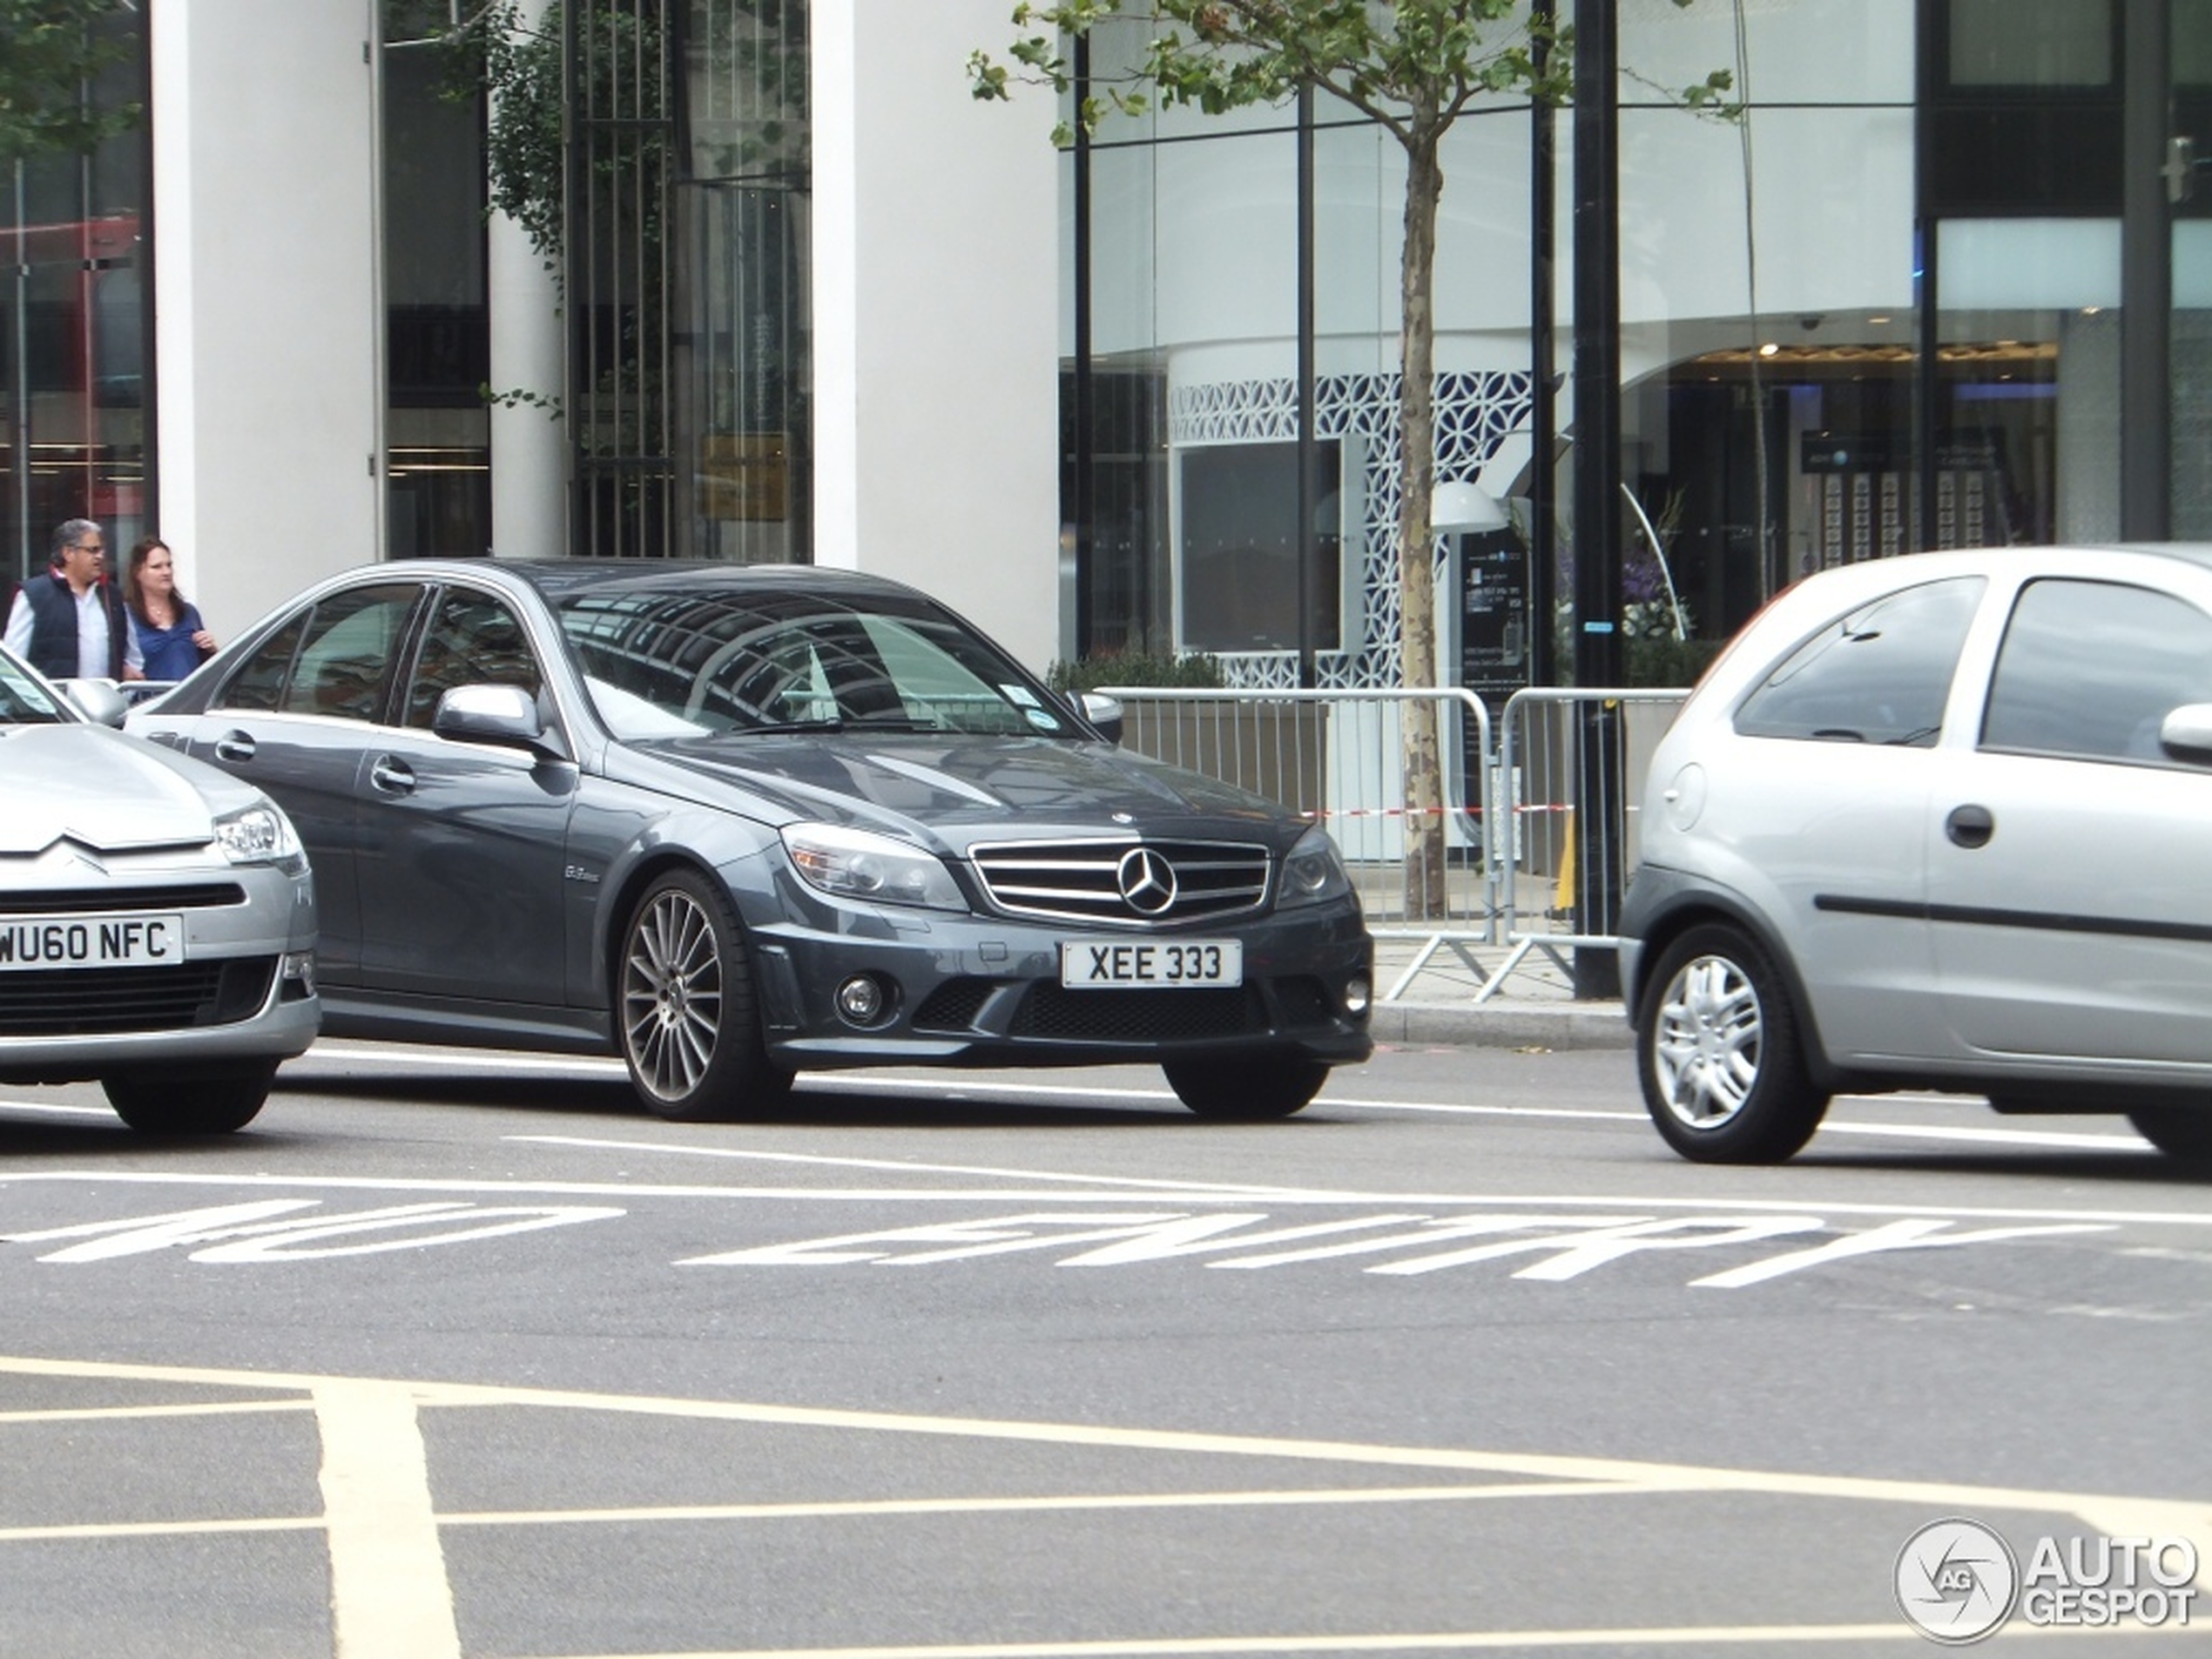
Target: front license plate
column 1105, row 964
column 92, row 942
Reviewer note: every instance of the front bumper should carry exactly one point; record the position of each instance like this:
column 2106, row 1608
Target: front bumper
column 978, row 990
column 244, row 991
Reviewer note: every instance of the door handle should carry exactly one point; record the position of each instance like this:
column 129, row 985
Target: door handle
column 391, row 776
column 235, row 746
column 1970, row 826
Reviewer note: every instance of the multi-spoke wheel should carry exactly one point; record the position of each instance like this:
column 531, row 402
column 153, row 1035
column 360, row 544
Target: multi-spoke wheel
column 213, row 1101
column 1719, row 1055
column 1250, row 1089
column 691, row 1033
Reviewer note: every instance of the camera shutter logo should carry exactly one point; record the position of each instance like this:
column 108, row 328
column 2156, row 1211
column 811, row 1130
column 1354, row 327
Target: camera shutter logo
column 1957, row 1581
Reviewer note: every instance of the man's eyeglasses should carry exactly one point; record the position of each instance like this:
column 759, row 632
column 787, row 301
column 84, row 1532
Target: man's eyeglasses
column 86, row 547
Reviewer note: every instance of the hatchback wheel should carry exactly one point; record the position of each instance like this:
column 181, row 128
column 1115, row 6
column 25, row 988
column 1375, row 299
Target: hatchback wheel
column 1719, row 1055
column 1250, row 1089
column 690, row 1033
column 196, row 1102
column 2178, row 1131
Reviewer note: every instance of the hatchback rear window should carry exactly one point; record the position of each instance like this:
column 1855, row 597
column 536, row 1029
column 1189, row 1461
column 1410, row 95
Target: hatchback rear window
column 1880, row 674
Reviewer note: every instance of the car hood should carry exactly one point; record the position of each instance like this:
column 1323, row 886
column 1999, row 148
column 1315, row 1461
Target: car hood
column 964, row 789
column 106, row 790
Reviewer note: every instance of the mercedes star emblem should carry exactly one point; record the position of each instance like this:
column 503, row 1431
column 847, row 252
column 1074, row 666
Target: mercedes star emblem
column 1147, row 882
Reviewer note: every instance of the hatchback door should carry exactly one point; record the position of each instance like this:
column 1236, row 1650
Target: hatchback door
column 1825, row 790
column 2066, row 885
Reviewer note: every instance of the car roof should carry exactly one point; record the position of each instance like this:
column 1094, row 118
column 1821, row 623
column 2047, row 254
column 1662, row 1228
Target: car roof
column 558, row 578
column 1872, row 577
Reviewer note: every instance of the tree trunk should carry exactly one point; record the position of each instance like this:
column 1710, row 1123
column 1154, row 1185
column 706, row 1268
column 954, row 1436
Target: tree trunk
column 1423, row 791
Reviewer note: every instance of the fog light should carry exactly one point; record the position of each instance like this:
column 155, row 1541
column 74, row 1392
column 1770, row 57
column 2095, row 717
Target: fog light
column 298, row 976
column 861, row 1000
column 1356, row 992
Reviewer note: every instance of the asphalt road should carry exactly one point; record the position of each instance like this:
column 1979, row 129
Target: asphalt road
column 457, row 1354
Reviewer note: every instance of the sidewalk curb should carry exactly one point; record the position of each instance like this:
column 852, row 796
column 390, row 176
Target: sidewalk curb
column 1503, row 1025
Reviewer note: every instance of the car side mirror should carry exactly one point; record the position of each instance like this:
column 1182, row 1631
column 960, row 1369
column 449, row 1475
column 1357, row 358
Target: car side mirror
column 1104, row 712
column 505, row 716
column 2186, row 732
column 100, row 701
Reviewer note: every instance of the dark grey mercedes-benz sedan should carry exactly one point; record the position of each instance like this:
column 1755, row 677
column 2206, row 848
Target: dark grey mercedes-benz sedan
column 735, row 822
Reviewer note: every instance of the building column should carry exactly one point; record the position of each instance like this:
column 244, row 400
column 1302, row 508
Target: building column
column 266, row 298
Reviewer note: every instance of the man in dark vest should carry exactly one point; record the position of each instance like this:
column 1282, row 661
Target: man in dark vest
column 70, row 623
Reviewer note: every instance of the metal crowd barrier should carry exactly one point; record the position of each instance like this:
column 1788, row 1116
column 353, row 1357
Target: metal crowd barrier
column 1336, row 759
column 1544, row 769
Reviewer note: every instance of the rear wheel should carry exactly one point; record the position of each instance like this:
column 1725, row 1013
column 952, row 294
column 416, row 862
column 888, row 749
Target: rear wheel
column 1719, row 1055
column 191, row 1102
column 2178, row 1131
column 1246, row 1089
column 690, row 1031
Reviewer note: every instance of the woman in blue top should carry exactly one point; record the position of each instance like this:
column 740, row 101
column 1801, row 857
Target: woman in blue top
column 170, row 634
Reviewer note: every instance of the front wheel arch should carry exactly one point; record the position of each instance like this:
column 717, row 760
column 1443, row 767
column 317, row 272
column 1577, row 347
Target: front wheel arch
column 683, row 1001
column 1719, row 1053
column 1665, row 929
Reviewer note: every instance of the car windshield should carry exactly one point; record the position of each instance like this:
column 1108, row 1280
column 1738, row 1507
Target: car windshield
column 26, row 701
column 686, row 661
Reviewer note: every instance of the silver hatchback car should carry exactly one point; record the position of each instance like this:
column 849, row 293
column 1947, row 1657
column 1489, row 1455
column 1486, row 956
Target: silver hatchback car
column 157, row 918
column 1935, row 822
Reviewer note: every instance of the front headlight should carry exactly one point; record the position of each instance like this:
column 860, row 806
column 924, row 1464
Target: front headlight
column 260, row 834
column 859, row 864
column 1313, row 871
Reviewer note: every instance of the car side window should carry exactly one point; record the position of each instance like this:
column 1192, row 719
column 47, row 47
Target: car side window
column 2091, row 669
column 473, row 639
column 1880, row 674
column 258, row 683
column 339, row 659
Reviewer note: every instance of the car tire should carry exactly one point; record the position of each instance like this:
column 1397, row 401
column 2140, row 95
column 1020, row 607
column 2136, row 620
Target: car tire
column 193, row 1102
column 685, row 1010
column 2178, row 1131
column 1246, row 1090
column 1720, row 1055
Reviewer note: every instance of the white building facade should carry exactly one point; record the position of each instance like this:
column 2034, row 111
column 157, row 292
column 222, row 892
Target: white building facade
column 836, row 310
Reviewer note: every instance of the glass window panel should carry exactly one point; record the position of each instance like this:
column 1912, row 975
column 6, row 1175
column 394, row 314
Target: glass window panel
column 2190, row 382
column 2028, row 381
column 2192, row 43
column 345, row 661
column 2091, row 669
column 2030, row 43
column 473, row 639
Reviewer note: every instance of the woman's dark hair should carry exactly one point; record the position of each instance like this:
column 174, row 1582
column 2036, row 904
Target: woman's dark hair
column 131, row 595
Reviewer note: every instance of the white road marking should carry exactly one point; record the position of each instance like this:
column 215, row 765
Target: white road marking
column 389, row 1595
column 964, row 1086
column 59, row 1108
column 1281, row 1198
column 101, row 1414
column 1756, row 1635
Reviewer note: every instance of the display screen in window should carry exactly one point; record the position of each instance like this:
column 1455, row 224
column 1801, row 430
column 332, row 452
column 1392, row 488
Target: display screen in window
column 1239, row 571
